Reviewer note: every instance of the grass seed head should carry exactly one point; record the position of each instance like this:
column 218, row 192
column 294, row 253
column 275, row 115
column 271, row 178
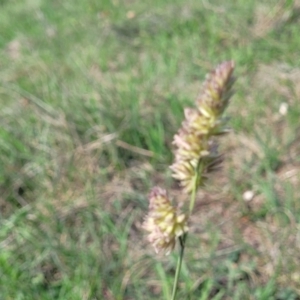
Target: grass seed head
column 195, row 151
column 163, row 222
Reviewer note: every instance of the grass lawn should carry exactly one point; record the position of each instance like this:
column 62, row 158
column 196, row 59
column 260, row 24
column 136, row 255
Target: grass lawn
column 91, row 94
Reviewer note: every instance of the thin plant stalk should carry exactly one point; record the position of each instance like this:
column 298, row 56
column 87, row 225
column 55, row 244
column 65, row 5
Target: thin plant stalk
column 178, row 267
column 182, row 239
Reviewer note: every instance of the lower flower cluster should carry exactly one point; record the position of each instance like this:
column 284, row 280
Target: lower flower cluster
column 163, row 222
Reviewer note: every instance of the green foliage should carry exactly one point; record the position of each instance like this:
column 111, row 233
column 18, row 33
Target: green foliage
column 91, row 94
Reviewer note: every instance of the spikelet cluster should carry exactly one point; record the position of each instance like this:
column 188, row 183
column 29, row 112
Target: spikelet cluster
column 195, row 152
column 163, row 222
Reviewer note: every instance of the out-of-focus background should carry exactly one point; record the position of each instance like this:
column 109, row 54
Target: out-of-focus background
column 91, row 95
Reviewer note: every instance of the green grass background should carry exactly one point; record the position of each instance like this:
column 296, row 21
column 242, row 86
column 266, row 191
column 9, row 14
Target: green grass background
column 91, row 95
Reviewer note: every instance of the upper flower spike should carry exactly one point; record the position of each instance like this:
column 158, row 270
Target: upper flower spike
column 195, row 153
column 216, row 90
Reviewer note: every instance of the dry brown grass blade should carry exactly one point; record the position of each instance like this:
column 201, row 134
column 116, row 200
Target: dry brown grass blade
column 134, row 149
